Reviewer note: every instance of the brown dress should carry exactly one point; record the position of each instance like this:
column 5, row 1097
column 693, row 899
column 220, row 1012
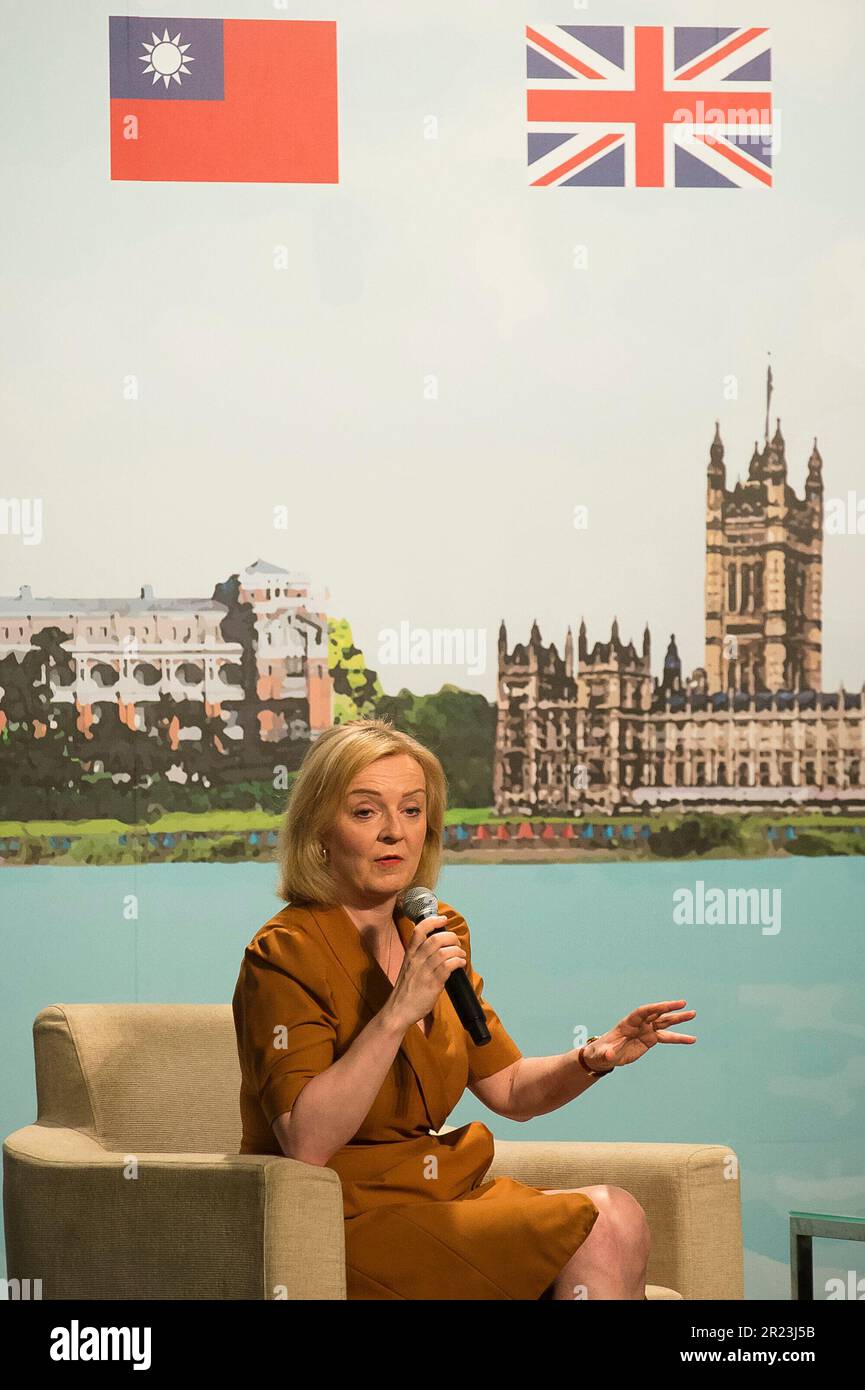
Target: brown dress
column 420, row 1220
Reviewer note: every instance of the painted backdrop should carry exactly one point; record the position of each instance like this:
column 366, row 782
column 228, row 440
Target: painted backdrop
column 498, row 373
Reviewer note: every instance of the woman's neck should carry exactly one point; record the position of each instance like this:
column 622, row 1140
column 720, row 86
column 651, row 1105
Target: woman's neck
column 375, row 919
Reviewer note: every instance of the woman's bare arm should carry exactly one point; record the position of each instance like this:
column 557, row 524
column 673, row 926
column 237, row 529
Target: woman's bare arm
column 332, row 1106
column 538, row 1085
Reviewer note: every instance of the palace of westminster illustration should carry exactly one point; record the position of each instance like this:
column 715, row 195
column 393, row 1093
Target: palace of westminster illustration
column 581, row 732
column 750, row 726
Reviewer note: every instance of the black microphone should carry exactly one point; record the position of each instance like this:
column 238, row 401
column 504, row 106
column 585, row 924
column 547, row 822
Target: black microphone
column 418, row 904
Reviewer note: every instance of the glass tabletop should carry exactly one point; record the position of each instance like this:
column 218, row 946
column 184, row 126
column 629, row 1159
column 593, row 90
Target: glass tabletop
column 829, row 1216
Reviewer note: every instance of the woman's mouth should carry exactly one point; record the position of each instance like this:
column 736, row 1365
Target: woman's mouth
column 388, row 859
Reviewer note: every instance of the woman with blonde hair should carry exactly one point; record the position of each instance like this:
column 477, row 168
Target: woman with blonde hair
column 353, row 1056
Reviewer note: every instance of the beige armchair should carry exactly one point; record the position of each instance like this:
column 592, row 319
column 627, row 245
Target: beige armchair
column 129, row 1185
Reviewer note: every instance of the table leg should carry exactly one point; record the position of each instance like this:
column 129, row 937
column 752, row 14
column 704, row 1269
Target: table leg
column 801, row 1269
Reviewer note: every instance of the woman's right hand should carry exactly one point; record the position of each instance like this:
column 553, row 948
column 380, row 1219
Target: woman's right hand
column 430, row 958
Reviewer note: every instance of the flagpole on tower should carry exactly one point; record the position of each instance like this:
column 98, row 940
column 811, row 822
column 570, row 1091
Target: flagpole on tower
column 768, row 396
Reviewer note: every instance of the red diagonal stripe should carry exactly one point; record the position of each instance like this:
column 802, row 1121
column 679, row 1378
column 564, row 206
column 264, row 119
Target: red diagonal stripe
column 560, row 53
column 730, row 47
column 575, row 160
column 736, row 157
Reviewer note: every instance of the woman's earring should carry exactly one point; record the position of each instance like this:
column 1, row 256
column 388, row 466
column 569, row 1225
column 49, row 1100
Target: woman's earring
column 323, row 850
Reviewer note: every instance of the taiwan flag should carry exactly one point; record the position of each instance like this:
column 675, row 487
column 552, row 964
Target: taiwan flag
column 223, row 100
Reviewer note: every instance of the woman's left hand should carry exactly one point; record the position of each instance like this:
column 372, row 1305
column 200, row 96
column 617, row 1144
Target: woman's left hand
column 633, row 1035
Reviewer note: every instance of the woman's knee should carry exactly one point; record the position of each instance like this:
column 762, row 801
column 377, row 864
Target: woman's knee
column 620, row 1215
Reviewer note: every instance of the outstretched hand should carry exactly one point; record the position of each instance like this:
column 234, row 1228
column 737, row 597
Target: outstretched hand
column 633, row 1035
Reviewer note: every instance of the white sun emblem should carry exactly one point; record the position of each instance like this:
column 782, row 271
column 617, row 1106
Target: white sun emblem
column 166, row 58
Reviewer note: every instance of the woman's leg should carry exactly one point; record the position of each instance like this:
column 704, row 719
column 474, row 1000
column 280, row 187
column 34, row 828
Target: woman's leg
column 611, row 1261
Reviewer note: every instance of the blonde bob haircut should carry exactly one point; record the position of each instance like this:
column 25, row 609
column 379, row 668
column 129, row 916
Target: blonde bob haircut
column 317, row 795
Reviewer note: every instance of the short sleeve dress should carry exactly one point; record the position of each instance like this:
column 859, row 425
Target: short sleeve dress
column 421, row 1220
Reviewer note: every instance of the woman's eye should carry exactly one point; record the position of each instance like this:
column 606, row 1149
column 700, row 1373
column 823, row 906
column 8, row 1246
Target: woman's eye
column 363, row 811
column 413, row 808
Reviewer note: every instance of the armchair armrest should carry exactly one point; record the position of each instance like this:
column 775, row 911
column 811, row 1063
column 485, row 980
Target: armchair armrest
column 690, row 1193
column 97, row 1225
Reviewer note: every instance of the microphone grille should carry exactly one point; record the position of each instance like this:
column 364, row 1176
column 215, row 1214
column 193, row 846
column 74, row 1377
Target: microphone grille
column 419, row 903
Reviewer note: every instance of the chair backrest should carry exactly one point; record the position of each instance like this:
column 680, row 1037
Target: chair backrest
column 139, row 1077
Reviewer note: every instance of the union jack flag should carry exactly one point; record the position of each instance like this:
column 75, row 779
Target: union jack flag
column 626, row 106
